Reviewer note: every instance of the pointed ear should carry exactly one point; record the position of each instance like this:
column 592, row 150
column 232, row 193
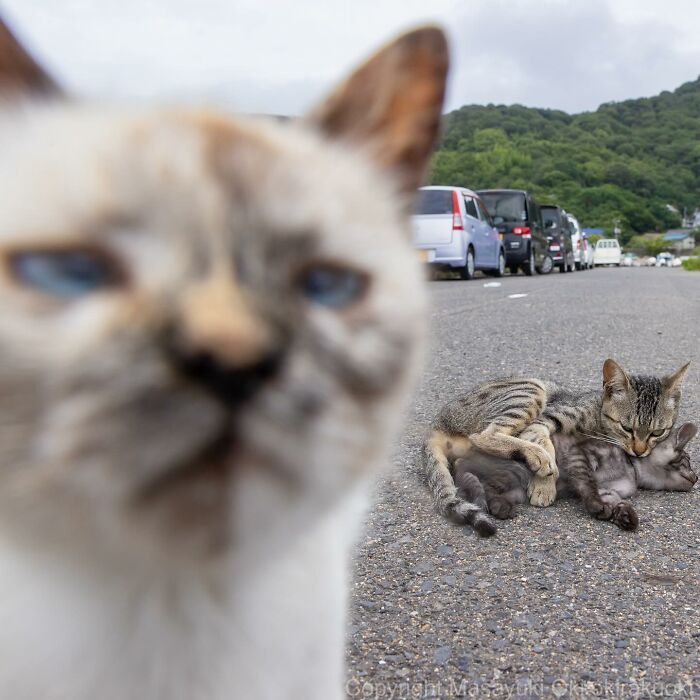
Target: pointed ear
column 392, row 105
column 614, row 377
column 685, row 434
column 20, row 74
column 673, row 382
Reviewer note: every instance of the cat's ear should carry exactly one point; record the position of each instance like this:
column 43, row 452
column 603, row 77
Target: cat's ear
column 392, row 104
column 614, row 377
column 20, row 73
column 685, row 434
column 673, row 382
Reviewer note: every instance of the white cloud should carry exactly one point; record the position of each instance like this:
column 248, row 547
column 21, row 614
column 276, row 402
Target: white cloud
column 280, row 56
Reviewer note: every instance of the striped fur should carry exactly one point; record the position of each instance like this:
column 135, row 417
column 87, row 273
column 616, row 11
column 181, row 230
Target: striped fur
column 514, row 418
column 601, row 474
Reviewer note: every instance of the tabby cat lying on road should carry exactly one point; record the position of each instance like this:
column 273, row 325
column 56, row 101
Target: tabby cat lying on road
column 598, row 471
column 514, row 418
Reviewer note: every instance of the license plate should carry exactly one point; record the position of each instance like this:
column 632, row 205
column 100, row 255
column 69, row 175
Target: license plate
column 515, row 244
column 554, row 247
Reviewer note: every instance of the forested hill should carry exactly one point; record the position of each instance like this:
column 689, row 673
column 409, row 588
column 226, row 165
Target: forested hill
column 627, row 160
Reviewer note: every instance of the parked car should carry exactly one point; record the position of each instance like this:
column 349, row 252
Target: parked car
column 628, row 259
column 651, row 261
column 664, row 260
column 452, row 229
column 577, row 243
column 517, row 218
column 607, row 252
column 558, row 230
column 676, row 262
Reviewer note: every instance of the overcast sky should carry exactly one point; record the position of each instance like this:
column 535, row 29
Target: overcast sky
column 280, row 56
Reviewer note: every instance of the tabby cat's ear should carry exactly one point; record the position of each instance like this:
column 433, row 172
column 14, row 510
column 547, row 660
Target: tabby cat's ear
column 614, row 377
column 673, row 382
column 686, row 433
column 20, row 74
column 392, row 104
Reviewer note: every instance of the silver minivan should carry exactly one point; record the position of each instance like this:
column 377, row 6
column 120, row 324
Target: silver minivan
column 452, row 229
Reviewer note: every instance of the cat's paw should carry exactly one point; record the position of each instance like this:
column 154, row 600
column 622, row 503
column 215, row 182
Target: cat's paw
column 541, row 463
column 501, row 508
column 625, row 516
column 599, row 509
column 542, row 491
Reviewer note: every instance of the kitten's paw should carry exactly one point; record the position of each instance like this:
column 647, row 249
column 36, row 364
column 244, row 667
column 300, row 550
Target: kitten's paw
column 484, row 526
column 501, row 508
column 541, row 463
column 600, row 510
column 625, row 516
column 542, row 492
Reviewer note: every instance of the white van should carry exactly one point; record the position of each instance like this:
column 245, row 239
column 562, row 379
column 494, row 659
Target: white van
column 607, row 252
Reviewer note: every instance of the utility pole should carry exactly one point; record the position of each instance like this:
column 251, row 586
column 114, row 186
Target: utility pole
column 616, row 228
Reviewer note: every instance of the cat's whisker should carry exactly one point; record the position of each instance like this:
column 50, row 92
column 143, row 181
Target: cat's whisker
column 603, row 438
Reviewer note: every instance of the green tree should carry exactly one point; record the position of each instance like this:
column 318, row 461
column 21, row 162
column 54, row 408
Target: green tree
column 626, row 161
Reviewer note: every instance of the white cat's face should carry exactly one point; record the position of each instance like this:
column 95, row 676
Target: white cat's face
column 207, row 325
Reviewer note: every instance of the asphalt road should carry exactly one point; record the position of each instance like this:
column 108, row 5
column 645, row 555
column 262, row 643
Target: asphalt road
column 556, row 604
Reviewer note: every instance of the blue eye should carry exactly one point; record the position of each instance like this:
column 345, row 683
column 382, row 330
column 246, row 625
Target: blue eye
column 64, row 273
column 333, row 286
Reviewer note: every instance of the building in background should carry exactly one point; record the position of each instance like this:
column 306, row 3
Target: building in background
column 681, row 240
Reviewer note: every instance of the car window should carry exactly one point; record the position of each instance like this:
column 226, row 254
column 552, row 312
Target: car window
column 433, row 202
column 471, row 207
column 550, row 217
column 484, row 214
column 510, row 206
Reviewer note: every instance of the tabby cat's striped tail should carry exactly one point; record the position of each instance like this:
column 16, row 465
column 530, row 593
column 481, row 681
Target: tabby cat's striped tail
column 448, row 500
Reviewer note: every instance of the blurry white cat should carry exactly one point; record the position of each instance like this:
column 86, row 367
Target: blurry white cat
column 208, row 329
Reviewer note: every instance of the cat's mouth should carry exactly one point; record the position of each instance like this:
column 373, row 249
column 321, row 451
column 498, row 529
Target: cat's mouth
column 210, row 466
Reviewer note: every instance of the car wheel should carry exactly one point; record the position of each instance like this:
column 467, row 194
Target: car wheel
column 563, row 267
column 529, row 267
column 579, row 267
column 546, row 267
column 501, row 269
column 513, row 269
column 467, row 272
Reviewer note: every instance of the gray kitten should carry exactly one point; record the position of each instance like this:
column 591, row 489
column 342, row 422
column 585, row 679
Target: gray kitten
column 599, row 473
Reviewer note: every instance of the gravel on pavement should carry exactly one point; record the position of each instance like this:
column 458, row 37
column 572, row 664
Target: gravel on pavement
column 556, row 604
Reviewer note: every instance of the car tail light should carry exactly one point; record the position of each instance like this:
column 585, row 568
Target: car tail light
column 521, row 230
column 578, row 244
column 456, row 215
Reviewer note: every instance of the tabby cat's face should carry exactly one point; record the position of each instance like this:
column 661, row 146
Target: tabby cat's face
column 639, row 411
column 206, row 325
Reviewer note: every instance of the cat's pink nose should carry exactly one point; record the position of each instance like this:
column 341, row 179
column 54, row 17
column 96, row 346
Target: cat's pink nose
column 639, row 448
